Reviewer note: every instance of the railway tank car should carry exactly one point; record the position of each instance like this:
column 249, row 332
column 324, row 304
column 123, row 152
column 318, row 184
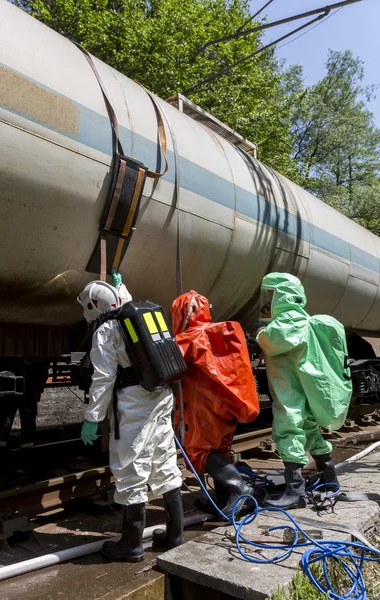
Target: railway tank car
column 238, row 218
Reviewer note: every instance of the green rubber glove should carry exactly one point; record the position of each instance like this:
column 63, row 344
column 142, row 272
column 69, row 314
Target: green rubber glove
column 116, row 278
column 89, row 432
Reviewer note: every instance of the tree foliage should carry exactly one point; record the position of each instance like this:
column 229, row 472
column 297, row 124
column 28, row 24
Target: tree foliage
column 155, row 42
column 337, row 145
column 362, row 205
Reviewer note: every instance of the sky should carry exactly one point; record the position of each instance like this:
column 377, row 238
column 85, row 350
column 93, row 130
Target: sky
column 355, row 27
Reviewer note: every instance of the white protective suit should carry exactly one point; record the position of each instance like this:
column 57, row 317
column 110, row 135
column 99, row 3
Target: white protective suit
column 145, row 454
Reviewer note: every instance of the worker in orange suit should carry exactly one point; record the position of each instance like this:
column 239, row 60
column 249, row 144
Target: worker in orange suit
column 218, row 391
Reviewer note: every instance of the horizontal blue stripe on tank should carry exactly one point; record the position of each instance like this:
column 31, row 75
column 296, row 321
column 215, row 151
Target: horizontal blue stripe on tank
column 95, row 132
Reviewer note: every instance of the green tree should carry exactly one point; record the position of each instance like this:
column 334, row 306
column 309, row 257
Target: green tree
column 155, row 42
column 337, row 145
column 361, row 203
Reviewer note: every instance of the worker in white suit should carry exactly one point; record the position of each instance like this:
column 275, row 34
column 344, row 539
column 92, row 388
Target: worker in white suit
column 145, row 454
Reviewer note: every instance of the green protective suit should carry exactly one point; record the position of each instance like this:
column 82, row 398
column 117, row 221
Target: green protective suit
column 305, row 358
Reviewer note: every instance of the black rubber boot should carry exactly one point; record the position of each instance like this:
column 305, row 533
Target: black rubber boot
column 295, row 493
column 173, row 536
column 227, row 479
column 325, row 464
column 130, row 547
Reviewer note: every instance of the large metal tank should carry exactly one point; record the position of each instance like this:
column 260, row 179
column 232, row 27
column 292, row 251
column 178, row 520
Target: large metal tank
column 238, row 218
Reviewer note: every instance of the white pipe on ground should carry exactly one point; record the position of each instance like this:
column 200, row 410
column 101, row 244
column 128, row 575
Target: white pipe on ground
column 49, row 560
column 358, row 456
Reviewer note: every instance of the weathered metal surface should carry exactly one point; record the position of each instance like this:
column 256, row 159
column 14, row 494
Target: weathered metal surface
column 238, row 218
column 375, row 343
column 27, row 98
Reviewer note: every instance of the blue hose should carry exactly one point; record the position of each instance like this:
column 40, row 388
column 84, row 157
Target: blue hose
column 204, row 490
column 253, row 478
column 349, row 555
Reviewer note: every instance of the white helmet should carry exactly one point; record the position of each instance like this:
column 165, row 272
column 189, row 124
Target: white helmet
column 97, row 297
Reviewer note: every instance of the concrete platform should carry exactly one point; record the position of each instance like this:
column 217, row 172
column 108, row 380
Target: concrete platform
column 93, row 578
column 210, row 567
column 89, row 578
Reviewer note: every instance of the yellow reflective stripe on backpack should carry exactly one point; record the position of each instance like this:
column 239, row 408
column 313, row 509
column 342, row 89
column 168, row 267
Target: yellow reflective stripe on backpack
column 161, row 321
column 152, row 327
column 131, row 330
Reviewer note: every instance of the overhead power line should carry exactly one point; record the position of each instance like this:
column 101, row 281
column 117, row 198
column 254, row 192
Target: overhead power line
column 254, row 16
column 311, row 28
column 238, row 34
column 249, row 56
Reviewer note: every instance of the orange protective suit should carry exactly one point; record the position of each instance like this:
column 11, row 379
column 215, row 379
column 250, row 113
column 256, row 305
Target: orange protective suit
column 218, row 388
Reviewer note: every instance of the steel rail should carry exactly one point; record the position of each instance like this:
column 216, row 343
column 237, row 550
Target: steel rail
column 42, row 496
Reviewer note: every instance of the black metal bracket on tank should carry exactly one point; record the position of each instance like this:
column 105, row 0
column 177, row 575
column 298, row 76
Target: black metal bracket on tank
column 123, row 202
column 119, row 216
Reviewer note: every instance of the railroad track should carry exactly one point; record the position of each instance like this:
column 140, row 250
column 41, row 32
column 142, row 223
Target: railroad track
column 36, row 498
column 43, row 496
column 96, row 482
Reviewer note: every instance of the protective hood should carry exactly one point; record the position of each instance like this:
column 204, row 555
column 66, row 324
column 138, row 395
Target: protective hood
column 281, row 292
column 218, row 388
column 306, row 361
column 189, row 309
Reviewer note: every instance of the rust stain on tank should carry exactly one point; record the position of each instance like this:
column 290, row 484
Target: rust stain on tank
column 23, row 96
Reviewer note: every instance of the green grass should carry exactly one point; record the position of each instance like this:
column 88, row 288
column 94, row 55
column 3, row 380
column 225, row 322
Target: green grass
column 299, row 589
column 302, row 589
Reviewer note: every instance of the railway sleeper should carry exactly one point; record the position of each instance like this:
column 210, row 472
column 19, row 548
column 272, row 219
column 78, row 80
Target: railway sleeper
column 17, row 535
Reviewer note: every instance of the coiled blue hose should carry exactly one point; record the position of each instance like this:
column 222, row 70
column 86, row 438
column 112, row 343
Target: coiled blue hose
column 350, row 556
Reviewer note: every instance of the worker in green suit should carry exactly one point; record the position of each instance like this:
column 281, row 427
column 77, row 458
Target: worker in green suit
column 306, row 361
